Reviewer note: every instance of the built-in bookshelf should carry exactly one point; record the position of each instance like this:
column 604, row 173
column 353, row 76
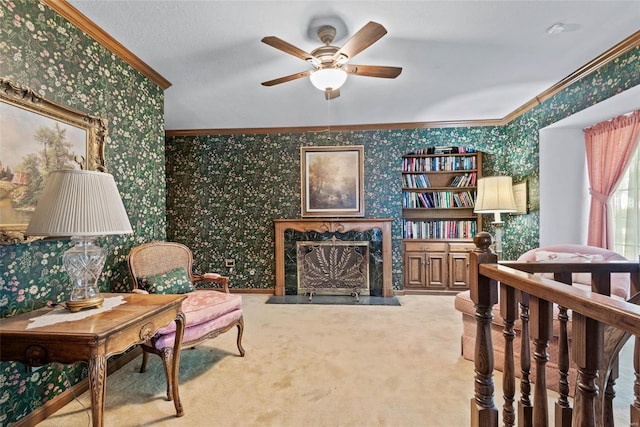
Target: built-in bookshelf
column 438, row 197
column 439, row 192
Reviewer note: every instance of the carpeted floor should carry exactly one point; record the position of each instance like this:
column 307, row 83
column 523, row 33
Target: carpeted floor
column 308, row 365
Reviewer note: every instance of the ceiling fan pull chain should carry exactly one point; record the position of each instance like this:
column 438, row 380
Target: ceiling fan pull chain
column 328, row 120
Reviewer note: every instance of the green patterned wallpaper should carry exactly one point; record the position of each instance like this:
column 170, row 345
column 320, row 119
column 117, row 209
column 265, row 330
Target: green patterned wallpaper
column 43, row 51
column 223, row 192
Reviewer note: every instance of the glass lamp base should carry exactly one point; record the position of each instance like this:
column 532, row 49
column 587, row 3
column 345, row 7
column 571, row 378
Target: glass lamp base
column 75, row 306
column 83, row 263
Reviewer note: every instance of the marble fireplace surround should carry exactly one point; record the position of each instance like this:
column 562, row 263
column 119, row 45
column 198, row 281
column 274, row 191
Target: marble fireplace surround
column 334, row 225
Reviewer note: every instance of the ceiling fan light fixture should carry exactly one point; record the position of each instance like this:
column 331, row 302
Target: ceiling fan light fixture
column 328, row 78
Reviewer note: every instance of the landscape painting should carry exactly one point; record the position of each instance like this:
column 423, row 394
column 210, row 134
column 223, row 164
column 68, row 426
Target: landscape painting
column 332, row 181
column 38, row 137
column 32, row 146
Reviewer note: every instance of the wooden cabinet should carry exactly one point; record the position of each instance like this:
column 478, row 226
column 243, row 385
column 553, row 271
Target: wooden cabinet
column 436, row 267
column 438, row 222
column 459, row 271
column 425, row 265
column 459, row 265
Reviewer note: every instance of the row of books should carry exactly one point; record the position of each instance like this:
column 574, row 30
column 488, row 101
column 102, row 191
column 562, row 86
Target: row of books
column 435, row 164
column 442, row 150
column 439, row 199
column 466, row 180
column 416, row 181
column 439, row 229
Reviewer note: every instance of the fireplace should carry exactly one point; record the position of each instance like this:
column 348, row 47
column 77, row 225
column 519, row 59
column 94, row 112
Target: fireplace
column 376, row 232
column 333, row 267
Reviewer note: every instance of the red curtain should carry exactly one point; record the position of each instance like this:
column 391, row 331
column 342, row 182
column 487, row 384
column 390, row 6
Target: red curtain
column 610, row 146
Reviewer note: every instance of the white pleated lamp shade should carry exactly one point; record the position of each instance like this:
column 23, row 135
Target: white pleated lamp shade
column 77, row 203
column 495, row 195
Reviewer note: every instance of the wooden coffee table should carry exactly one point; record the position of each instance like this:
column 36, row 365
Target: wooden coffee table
column 94, row 339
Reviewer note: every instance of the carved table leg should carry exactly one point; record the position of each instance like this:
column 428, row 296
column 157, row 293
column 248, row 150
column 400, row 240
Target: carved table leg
column 98, row 386
column 167, row 363
column 176, row 364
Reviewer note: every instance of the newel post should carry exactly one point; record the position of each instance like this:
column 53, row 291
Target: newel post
column 484, row 294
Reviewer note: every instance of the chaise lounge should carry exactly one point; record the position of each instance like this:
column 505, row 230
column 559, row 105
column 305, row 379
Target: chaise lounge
column 165, row 267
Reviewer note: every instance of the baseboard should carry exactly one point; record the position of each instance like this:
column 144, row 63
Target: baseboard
column 270, row 291
column 52, row 406
column 266, row 291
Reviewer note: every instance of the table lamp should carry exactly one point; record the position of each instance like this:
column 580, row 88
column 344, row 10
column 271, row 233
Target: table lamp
column 82, row 205
column 495, row 195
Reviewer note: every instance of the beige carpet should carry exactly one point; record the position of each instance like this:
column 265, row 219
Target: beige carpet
column 309, row 365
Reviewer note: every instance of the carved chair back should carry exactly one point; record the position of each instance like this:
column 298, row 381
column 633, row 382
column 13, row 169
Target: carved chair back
column 158, row 257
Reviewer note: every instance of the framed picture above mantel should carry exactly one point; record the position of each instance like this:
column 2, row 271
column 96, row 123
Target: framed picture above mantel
column 332, row 181
column 38, row 137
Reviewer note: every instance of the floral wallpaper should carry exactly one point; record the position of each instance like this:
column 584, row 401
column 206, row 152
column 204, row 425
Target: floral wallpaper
column 222, row 191
column 43, row 51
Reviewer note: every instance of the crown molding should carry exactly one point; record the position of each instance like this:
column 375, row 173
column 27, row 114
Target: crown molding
column 342, row 128
column 73, row 15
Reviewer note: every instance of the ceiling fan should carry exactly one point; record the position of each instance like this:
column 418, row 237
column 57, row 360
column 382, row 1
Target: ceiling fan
column 330, row 68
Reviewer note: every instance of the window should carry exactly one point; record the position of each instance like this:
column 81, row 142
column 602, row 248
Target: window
column 625, row 206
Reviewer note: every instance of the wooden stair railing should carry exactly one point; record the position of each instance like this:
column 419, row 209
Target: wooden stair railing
column 600, row 327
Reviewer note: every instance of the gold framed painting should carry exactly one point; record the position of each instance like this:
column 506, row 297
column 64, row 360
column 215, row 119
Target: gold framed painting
column 332, row 180
column 521, row 198
column 39, row 136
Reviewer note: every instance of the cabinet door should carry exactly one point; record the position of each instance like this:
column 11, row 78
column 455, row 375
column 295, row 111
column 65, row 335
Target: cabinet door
column 414, row 271
column 459, row 270
column 436, row 270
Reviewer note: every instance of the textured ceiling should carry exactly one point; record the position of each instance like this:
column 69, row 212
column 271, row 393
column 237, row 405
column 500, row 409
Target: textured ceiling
column 462, row 60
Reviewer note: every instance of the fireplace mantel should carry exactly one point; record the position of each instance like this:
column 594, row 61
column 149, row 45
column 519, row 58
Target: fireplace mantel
column 333, row 225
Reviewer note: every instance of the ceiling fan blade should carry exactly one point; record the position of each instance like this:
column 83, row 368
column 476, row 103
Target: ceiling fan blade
column 286, row 78
column 331, row 94
column 365, row 37
column 373, row 70
column 287, row 47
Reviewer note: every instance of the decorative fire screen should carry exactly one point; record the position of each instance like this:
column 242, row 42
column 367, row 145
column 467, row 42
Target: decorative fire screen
column 333, row 267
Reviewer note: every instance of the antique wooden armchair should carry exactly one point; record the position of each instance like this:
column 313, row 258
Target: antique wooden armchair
column 165, row 267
